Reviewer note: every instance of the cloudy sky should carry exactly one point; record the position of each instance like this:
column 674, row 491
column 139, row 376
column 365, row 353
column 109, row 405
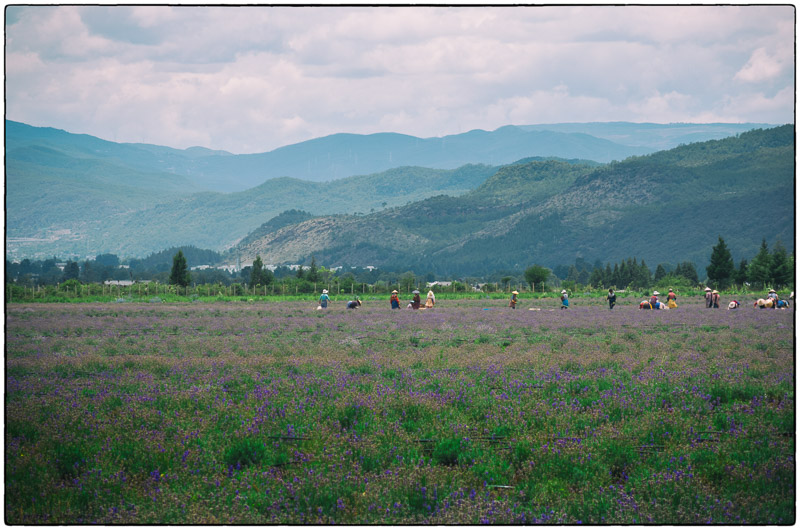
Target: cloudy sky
column 251, row 79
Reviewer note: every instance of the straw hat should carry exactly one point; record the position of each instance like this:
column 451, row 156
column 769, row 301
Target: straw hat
column 563, row 291
column 324, row 291
column 772, row 290
column 656, row 293
column 708, row 288
column 514, row 292
column 394, row 292
column 714, row 292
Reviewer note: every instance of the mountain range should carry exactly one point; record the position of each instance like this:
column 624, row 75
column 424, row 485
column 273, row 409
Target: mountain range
column 71, row 194
column 666, row 207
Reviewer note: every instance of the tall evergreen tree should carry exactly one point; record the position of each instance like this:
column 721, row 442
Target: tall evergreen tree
column 758, row 273
column 740, row 276
column 72, row 271
column 720, row 270
column 608, row 276
column 644, row 276
column 780, row 268
column 660, row 273
column 179, row 275
column 258, row 274
column 312, row 275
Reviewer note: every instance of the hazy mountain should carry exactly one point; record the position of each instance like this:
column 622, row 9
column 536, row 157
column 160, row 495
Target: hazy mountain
column 321, row 159
column 655, row 136
column 87, row 218
column 665, row 207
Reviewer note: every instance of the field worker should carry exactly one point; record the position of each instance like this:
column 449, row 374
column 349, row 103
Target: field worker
column 672, row 299
column 395, row 300
column 774, row 297
column 323, row 299
column 415, row 302
column 708, row 296
column 654, row 300
column 733, row 305
column 513, row 302
column 612, row 299
column 354, row 304
column 715, row 299
column 564, row 299
column 430, row 301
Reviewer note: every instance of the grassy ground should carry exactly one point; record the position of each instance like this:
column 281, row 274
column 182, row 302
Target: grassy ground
column 232, row 412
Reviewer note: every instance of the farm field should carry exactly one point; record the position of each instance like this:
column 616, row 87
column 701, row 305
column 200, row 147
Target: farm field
column 470, row 413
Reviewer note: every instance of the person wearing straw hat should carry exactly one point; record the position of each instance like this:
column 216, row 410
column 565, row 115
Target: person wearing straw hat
column 395, row 300
column 354, row 304
column 323, row 299
column 708, row 296
column 654, row 300
column 415, row 302
column 431, row 300
column 564, row 299
column 513, row 302
column 774, row 297
column 715, row 299
column 672, row 299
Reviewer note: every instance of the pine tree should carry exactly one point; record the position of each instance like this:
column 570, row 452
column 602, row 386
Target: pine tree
column 312, row 275
column 608, row 276
column 720, row 270
column 72, row 271
column 660, row 273
column 740, row 276
column 179, row 275
column 758, row 273
column 257, row 272
column 780, row 271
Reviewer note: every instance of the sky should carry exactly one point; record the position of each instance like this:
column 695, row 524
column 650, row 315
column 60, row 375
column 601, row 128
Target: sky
column 252, row 79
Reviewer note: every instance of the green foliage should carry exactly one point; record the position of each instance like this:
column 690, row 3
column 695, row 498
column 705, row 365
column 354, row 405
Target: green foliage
column 245, row 452
column 721, row 269
column 760, row 268
column 536, row 275
column 179, row 275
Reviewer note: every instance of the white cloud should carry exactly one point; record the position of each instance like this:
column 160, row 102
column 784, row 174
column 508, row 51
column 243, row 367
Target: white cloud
column 250, row 79
column 761, row 67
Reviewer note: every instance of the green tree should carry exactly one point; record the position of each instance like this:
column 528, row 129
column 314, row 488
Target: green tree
column 407, row 281
column 781, row 271
column 312, row 275
column 259, row 275
column 720, row 270
column 536, row 274
column 72, row 271
column 758, row 273
column 179, row 275
column 660, row 273
column 740, row 276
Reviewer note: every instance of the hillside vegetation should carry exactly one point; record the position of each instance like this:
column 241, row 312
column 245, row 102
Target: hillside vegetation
column 668, row 206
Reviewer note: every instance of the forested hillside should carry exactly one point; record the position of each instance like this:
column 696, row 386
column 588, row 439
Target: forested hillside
column 670, row 206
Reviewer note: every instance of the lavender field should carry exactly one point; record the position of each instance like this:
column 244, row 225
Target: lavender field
column 236, row 412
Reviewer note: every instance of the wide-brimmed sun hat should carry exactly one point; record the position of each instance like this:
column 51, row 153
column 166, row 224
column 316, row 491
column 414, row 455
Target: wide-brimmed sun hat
column 656, row 293
column 324, row 291
column 707, row 288
column 514, row 292
column 714, row 292
column 394, row 292
column 772, row 290
column 414, row 292
column 563, row 291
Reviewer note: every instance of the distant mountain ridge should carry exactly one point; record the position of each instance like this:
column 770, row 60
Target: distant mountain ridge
column 666, row 207
column 78, row 194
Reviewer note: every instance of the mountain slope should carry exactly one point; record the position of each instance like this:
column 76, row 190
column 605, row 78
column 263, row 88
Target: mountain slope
column 665, row 207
